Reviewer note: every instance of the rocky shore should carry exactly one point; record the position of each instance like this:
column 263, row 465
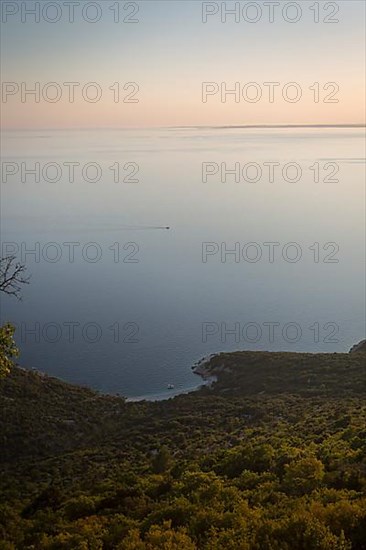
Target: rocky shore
column 359, row 348
column 206, row 369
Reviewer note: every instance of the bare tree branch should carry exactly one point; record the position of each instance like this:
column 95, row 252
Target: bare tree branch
column 12, row 276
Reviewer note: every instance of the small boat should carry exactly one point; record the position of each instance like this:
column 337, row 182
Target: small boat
column 170, row 386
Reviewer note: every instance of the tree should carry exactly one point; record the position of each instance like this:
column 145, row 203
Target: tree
column 12, row 276
column 8, row 349
column 11, row 279
column 162, row 461
column 303, row 475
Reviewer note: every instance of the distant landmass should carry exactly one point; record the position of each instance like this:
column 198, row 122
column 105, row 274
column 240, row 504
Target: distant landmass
column 238, row 126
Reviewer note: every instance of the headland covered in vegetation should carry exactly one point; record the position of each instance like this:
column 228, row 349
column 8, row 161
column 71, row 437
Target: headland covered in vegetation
column 271, row 456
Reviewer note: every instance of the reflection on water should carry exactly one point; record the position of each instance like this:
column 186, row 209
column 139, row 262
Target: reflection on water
column 119, row 303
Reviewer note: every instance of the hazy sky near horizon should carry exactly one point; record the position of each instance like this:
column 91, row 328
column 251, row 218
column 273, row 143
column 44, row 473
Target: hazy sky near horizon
column 169, row 53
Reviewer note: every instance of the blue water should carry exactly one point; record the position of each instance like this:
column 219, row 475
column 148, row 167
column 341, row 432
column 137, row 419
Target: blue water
column 170, row 306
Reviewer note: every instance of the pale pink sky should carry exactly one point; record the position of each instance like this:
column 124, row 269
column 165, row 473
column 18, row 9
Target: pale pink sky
column 170, row 52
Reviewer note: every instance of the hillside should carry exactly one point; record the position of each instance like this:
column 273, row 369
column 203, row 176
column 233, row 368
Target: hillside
column 272, row 456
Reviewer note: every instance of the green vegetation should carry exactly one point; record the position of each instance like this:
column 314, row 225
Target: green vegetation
column 272, row 457
column 11, row 280
column 8, row 349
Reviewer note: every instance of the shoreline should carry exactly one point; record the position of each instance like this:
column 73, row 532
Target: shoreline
column 170, row 394
column 203, row 368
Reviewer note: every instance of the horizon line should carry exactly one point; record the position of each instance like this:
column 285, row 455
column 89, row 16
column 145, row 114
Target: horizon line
column 190, row 127
column 311, row 125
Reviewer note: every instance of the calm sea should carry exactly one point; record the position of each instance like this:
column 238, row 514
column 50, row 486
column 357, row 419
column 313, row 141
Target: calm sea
column 264, row 251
